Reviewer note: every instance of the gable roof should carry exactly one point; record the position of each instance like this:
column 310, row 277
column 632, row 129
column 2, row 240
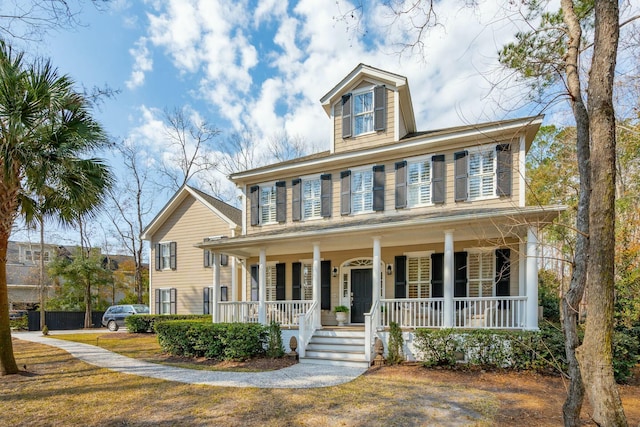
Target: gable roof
column 231, row 215
column 367, row 72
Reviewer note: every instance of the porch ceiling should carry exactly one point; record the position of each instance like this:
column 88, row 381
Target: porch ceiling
column 494, row 224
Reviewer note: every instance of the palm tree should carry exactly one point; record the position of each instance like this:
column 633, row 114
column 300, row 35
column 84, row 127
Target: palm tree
column 47, row 135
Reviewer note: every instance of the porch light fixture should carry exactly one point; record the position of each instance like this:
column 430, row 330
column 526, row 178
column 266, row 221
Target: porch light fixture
column 389, row 269
column 334, row 272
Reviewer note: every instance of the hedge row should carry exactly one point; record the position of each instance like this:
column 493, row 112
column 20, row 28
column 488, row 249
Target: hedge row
column 142, row 323
column 523, row 350
column 226, row 341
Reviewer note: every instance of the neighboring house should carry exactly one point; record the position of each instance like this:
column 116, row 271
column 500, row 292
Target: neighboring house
column 181, row 275
column 23, row 270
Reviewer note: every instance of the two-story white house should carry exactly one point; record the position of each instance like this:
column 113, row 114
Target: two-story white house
column 424, row 228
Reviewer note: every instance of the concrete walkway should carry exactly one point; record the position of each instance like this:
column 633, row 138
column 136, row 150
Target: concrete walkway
column 296, row 376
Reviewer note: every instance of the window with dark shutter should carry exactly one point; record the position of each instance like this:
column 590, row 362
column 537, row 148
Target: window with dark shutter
column 378, row 188
column 460, row 166
column 254, row 282
column 224, row 260
column 437, row 179
column 173, row 301
column 437, row 275
column 345, row 192
column 380, row 108
column 296, row 199
column 206, row 300
column 460, row 274
column 281, row 201
column 325, row 285
column 505, row 159
column 326, row 190
column 254, row 200
column 401, row 277
column 401, row 184
column 346, row 116
column 503, row 272
column 158, row 257
column 296, row 280
column 280, row 282
column 173, row 256
column 207, row 258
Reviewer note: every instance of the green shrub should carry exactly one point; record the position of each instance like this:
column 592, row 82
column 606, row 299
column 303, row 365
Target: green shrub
column 438, row 347
column 395, row 354
column 488, row 348
column 20, row 324
column 243, row 341
column 275, row 348
column 625, row 354
column 142, row 323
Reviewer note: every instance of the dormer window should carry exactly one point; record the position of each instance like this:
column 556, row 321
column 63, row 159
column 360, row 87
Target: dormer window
column 364, row 111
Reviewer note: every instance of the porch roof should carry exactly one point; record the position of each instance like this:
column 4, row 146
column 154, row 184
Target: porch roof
column 402, row 229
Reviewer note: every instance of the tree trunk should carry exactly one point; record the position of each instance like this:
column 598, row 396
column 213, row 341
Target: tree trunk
column 595, row 354
column 87, row 303
column 569, row 306
column 7, row 360
column 41, row 283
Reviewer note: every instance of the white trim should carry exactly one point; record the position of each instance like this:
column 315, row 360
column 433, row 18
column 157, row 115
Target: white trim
column 522, row 168
column 243, row 196
column 396, row 115
column 418, row 254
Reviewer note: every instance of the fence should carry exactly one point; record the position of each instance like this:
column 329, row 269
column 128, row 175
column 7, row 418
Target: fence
column 63, row 320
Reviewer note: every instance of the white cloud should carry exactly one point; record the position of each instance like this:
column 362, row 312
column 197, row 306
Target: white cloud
column 141, row 65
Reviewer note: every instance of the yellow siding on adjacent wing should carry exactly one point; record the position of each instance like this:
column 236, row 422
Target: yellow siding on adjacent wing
column 187, row 226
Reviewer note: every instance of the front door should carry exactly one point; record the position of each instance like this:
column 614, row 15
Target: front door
column 361, row 284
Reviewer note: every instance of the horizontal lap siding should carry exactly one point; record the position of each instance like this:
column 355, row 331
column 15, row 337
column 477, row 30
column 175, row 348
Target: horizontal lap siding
column 188, row 225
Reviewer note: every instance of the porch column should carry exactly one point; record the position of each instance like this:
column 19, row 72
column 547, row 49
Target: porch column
column 216, row 285
column 234, row 279
column 375, row 289
column 522, row 269
column 531, row 322
column 448, row 310
column 315, row 282
column 262, row 287
column 243, row 266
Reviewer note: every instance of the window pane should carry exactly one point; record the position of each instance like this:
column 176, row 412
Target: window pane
column 311, row 198
column 481, row 174
column 362, row 191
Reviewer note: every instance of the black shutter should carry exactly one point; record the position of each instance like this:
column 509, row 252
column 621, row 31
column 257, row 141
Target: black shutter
column 296, row 281
column 326, row 190
column 173, row 256
column 224, row 293
column 254, row 282
column 460, row 163
column 346, row 116
column 158, row 301
column 158, row 257
column 224, row 260
column 254, row 200
column 460, row 274
column 281, row 201
column 173, row 301
column 503, row 153
column 325, row 285
column 380, row 108
column 206, row 300
column 280, row 281
column 378, row 188
column 296, row 199
column 401, row 277
column 401, row 184
column 503, row 272
column 437, row 179
column 437, row 275
column 345, row 192
column 207, row 258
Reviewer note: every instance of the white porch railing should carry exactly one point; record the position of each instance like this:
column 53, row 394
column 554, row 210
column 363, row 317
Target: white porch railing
column 413, row 313
column 371, row 323
column 490, row 313
column 239, row 311
column 475, row 313
column 305, row 328
column 286, row 313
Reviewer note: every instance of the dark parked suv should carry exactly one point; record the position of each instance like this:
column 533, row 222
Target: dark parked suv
column 114, row 317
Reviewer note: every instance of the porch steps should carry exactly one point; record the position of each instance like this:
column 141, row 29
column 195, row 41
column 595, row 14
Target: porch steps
column 338, row 347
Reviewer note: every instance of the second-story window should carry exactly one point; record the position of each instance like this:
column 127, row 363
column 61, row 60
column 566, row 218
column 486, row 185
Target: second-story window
column 311, row 202
column 363, row 112
column 267, row 204
column 166, row 256
column 482, row 173
column 362, row 191
column 419, row 183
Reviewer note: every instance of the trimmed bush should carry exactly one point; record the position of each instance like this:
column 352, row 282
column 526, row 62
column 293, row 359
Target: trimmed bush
column 396, row 343
column 438, row 346
column 143, row 323
column 275, row 348
column 227, row 341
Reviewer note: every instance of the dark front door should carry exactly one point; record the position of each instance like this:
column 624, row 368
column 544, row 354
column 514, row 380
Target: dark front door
column 361, row 284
